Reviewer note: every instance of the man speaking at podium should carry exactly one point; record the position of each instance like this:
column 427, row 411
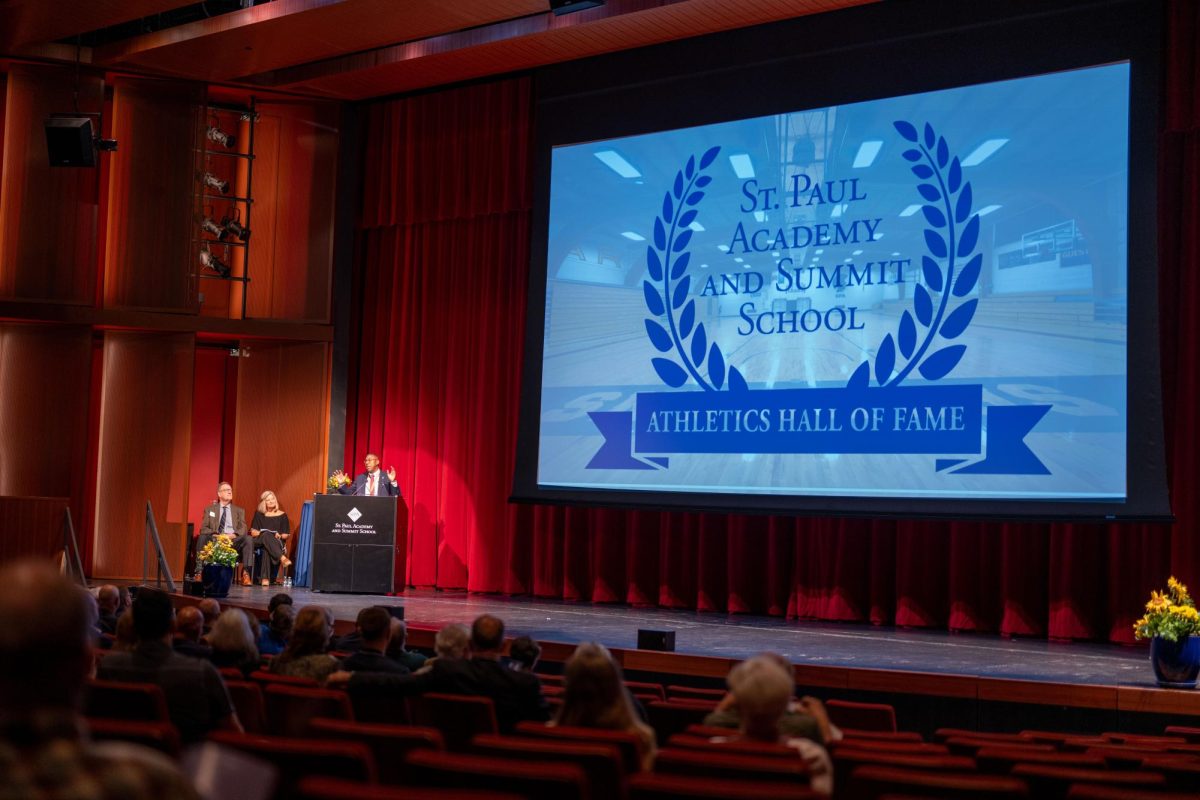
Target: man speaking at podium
column 372, row 483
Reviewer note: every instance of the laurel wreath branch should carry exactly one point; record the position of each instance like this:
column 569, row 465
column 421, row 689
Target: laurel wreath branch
column 952, row 234
column 673, row 313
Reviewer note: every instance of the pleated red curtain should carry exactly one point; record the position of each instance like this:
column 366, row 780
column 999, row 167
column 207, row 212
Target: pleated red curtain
column 439, row 294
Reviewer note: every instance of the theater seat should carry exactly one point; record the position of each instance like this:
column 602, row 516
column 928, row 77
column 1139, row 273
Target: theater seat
column 458, row 717
column 129, row 701
column 290, row 709
column 1001, row 760
column 264, row 677
column 161, row 736
column 626, row 743
column 646, row 691
column 389, row 743
column 869, row 782
column 537, row 780
column 862, row 716
column 1051, row 782
column 651, row 786
column 673, row 716
column 731, row 766
column 318, row 788
column 298, row 758
column 601, row 763
column 692, row 693
column 247, row 700
column 1092, row 791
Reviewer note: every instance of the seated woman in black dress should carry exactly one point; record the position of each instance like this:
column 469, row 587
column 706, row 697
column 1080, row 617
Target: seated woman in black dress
column 271, row 527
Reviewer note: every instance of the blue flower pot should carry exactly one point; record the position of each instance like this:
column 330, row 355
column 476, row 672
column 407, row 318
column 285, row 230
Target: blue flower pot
column 217, row 580
column 1176, row 664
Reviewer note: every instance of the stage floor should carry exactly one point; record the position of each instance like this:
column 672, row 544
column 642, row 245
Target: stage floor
column 739, row 636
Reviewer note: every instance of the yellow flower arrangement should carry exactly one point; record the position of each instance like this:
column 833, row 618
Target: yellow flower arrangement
column 218, row 551
column 337, row 480
column 1171, row 615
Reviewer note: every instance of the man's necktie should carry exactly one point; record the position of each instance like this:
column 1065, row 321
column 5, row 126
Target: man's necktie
column 371, row 484
column 224, row 519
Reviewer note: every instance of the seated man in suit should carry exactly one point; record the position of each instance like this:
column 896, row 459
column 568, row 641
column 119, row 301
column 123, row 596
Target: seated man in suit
column 223, row 518
column 372, row 482
column 517, row 696
column 374, row 628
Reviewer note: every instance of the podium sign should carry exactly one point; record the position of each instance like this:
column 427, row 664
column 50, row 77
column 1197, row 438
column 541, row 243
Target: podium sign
column 354, row 544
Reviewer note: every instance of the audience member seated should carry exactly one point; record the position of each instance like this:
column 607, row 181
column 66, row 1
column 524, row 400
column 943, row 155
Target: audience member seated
column 197, row 699
column 351, row 642
column 108, row 598
column 211, row 609
column 126, row 637
column 305, row 655
column 762, row 689
column 45, row 657
column 804, row 719
column 232, row 642
column 375, row 631
column 277, row 631
column 396, row 651
column 595, row 697
column 189, row 624
column 452, row 641
column 516, row 696
column 523, row 654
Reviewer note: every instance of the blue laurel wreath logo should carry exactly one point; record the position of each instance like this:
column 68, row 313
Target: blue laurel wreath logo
column 666, row 292
column 952, row 234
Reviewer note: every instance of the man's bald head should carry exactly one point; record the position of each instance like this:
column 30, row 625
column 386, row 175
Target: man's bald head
column 108, row 597
column 487, row 634
column 45, row 641
column 211, row 609
column 189, row 623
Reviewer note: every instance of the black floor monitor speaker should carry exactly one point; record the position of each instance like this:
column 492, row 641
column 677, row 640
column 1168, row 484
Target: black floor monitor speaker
column 663, row 641
column 70, row 142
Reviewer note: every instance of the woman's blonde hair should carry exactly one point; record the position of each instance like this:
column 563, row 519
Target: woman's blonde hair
column 231, row 633
column 262, row 501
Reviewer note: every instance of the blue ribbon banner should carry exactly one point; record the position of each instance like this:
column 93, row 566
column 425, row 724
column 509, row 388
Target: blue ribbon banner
column 946, row 419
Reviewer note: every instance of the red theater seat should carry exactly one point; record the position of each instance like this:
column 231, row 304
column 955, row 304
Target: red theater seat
column 1001, row 760
column 848, row 760
column 1052, row 782
column 702, row 744
column 862, row 716
column 247, row 700
column 161, row 736
column 298, row 758
column 1187, row 732
column 290, row 709
column 231, row 674
column 870, row 782
column 730, row 766
column 130, row 701
column 1182, row 774
column 626, row 743
column 537, row 780
column 942, row 734
column 885, row 746
column 388, row 743
column 651, row 786
column 642, row 690
column 601, row 763
column 1092, row 791
column 674, row 716
column 968, row 746
column 318, row 788
column 262, row 676
column 458, row 717
column 692, row 693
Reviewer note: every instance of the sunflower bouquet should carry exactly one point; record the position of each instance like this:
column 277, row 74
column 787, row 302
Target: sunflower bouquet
column 1171, row 615
column 337, row 480
column 218, row 551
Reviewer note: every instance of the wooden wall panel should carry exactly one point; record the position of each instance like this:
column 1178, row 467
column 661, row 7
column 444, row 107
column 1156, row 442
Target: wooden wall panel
column 31, row 527
column 150, row 259
column 48, row 215
column 291, row 253
column 282, row 424
column 45, row 382
column 145, row 432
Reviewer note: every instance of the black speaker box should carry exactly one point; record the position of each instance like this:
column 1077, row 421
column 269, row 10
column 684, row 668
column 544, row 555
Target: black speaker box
column 70, row 142
column 656, row 640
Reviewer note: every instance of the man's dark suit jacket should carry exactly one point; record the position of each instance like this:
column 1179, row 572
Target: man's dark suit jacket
column 212, row 518
column 366, row 660
column 360, row 486
column 516, row 696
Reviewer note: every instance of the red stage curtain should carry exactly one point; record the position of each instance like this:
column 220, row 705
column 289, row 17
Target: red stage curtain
column 440, row 297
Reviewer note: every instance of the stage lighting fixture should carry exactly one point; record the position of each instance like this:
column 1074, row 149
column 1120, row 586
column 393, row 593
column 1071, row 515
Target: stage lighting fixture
column 222, row 138
column 213, row 182
column 560, row 7
column 232, row 227
column 71, row 141
column 662, row 641
column 248, row 116
column 209, row 226
column 210, row 261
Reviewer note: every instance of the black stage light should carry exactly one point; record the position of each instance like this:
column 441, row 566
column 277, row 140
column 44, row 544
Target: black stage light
column 209, row 226
column 222, row 138
column 210, row 261
column 232, row 227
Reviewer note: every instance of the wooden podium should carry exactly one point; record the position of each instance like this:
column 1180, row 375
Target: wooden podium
column 354, row 544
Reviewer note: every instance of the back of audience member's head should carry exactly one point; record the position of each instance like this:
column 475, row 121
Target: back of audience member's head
column 108, row 597
column 126, row 601
column 189, row 623
column 279, row 599
column 310, row 633
column 211, row 609
column 282, row 619
column 125, row 636
column 399, row 637
column 453, row 641
column 45, row 638
column 152, row 614
column 375, row 626
column 231, row 633
column 525, row 652
column 487, row 634
column 594, row 695
column 762, row 689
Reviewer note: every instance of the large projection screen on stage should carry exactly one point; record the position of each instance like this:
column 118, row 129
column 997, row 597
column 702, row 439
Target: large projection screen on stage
column 917, row 303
